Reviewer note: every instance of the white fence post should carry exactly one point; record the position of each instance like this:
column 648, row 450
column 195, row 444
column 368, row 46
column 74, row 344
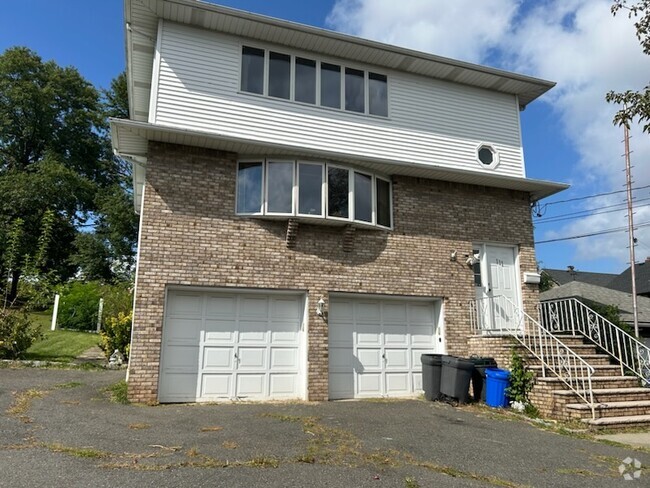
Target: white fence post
column 99, row 314
column 56, row 311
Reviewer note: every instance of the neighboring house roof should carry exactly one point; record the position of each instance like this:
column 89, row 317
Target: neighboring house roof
column 623, row 282
column 563, row 276
column 604, row 296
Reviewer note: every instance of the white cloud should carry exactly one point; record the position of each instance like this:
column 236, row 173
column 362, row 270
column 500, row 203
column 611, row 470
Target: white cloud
column 577, row 43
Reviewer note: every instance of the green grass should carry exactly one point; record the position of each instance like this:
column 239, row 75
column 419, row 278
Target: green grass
column 58, row 345
column 118, row 392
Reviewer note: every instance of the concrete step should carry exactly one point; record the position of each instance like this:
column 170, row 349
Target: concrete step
column 621, row 422
column 611, row 409
column 604, row 395
column 598, row 382
column 579, row 349
column 592, row 359
column 599, row 370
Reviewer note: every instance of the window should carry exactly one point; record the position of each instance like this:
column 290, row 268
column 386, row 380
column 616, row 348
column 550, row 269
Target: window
column 279, row 187
column 476, row 267
column 279, row 75
column 305, row 80
column 310, row 189
column 330, row 85
column 313, row 190
column 355, row 98
column 249, row 188
column 252, row 70
column 378, row 93
column 487, row 156
column 362, row 197
column 338, row 192
column 384, row 203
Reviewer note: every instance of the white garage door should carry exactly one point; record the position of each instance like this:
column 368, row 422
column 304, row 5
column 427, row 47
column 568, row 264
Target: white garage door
column 231, row 346
column 375, row 345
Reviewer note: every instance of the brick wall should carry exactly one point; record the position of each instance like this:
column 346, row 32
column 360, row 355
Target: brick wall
column 191, row 236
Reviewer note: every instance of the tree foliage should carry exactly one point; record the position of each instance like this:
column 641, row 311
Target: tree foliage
column 59, row 181
column 636, row 104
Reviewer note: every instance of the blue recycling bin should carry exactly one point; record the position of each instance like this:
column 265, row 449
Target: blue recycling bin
column 497, row 381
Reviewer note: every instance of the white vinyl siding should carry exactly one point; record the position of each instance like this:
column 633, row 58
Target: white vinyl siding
column 431, row 121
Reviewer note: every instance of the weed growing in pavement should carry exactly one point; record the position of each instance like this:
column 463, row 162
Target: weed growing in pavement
column 118, row 392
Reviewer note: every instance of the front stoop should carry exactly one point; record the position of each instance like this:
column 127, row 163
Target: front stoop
column 620, row 401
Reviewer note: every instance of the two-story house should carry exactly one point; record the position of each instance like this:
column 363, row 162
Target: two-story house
column 316, row 210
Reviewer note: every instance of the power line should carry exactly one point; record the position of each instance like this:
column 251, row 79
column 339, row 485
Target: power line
column 590, row 211
column 600, row 233
column 594, row 196
column 585, row 213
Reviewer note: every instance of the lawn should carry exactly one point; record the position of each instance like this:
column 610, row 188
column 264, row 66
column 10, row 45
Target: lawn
column 58, row 345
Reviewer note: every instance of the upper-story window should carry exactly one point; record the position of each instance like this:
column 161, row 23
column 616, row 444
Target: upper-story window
column 310, row 81
column 275, row 187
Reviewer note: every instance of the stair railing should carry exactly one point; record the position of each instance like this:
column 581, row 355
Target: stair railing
column 500, row 316
column 571, row 315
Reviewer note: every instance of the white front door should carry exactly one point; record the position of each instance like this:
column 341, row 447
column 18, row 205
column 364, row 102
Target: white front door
column 498, row 283
column 375, row 345
column 219, row 345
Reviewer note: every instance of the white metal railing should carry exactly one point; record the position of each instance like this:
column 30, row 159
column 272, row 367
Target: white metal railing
column 571, row 315
column 499, row 315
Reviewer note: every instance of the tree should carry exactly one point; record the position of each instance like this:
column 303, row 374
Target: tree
column 636, row 104
column 56, row 160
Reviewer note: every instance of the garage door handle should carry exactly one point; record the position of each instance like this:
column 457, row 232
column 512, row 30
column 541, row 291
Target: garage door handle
column 384, row 356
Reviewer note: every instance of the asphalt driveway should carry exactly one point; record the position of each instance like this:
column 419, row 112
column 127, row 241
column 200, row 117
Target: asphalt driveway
column 58, row 428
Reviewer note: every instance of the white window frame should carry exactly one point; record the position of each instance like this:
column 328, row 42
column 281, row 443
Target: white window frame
column 323, row 189
column 267, row 163
column 261, row 161
column 373, row 186
column 495, row 155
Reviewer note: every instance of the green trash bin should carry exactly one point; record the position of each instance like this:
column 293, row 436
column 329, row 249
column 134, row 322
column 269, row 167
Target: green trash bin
column 478, row 376
column 455, row 377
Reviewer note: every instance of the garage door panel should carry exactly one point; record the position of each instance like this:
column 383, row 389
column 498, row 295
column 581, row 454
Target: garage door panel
column 251, row 358
column 251, row 385
column 253, row 331
column 368, row 384
column 369, row 358
column 284, row 359
column 185, row 304
column 421, row 335
column 340, row 334
column 218, row 358
column 183, row 330
column 397, row 359
column 417, row 381
column 341, row 385
column 368, row 335
column 341, row 359
column 220, row 306
column 368, row 312
column 284, row 332
column 184, row 357
column 395, row 313
column 398, row 384
column 286, row 308
column 219, row 331
column 282, row 385
column 216, row 385
column 343, row 312
column 394, row 335
column 421, row 314
column 253, row 307
column 179, row 387
column 416, row 355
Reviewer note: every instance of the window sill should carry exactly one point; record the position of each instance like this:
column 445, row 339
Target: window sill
column 317, row 221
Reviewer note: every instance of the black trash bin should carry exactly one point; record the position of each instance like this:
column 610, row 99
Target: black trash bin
column 431, row 367
column 478, row 376
column 455, row 376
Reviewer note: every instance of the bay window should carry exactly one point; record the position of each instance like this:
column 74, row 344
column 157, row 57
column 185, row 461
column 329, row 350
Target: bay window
column 313, row 190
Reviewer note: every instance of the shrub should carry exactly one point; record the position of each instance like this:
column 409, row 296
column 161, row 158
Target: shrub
column 38, row 293
column 117, row 334
column 521, row 380
column 117, row 298
column 79, row 306
column 17, row 333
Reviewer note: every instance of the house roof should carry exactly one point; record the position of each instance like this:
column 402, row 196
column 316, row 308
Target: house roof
column 604, row 296
column 623, row 282
column 563, row 276
column 142, row 17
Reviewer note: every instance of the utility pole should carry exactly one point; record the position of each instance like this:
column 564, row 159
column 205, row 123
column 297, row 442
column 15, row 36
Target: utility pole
column 630, row 225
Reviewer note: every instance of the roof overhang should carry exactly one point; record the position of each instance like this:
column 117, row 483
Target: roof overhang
column 142, row 16
column 131, row 139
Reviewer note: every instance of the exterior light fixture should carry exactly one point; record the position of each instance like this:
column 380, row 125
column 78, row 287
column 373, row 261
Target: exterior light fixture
column 320, row 305
column 452, row 256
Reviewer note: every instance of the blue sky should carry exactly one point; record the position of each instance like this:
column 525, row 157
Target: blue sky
column 567, row 134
